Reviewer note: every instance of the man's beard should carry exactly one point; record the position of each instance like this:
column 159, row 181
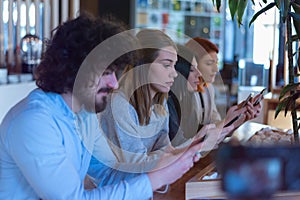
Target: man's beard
column 88, row 99
column 100, row 106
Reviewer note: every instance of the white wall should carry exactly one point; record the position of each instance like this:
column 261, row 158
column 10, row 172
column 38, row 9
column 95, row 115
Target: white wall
column 10, row 94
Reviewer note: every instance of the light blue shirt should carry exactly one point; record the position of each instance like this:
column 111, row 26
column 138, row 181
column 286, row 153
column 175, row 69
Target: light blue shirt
column 45, row 154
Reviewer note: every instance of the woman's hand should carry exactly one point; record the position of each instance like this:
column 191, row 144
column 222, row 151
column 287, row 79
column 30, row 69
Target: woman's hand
column 245, row 112
column 257, row 107
column 253, row 109
column 202, row 133
column 214, row 134
column 226, row 131
column 235, row 112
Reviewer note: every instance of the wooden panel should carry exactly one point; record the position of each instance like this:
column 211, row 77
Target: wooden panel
column 199, row 188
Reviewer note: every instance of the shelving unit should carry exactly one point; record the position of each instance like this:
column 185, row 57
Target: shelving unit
column 191, row 17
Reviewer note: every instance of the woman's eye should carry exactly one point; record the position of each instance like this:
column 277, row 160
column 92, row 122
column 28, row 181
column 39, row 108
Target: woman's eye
column 211, row 63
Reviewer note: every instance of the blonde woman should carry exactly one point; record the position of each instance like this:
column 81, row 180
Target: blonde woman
column 136, row 118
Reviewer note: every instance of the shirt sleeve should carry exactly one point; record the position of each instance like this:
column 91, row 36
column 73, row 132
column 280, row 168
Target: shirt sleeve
column 39, row 148
column 135, row 188
column 215, row 115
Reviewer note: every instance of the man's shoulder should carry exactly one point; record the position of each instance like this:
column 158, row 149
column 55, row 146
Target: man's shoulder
column 40, row 103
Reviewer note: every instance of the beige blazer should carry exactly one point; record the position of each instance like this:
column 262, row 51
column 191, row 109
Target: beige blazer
column 208, row 111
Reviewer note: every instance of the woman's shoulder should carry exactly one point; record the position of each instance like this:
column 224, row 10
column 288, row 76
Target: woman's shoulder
column 210, row 88
column 118, row 105
column 118, row 99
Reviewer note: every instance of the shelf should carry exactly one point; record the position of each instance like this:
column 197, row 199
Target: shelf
column 190, row 13
column 196, row 18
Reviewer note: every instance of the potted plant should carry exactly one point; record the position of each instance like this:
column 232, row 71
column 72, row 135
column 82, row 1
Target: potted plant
column 289, row 9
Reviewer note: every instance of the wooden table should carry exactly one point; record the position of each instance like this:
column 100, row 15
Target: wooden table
column 177, row 189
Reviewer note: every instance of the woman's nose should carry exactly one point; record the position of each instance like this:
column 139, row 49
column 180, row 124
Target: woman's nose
column 198, row 73
column 216, row 67
column 174, row 72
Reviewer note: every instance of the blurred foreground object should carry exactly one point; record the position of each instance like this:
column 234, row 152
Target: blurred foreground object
column 258, row 172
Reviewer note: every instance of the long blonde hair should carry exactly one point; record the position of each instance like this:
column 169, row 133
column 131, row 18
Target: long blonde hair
column 137, row 86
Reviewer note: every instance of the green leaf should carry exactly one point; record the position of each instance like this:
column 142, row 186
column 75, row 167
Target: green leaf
column 232, row 7
column 218, row 2
column 265, row 1
column 277, row 3
column 281, row 105
column 287, row 102
column 294, row 53
column 295, row 16
column 290, row 101
column 295, row 38
column 241, row 10
column 213, row 2
column 288, row 105
column 288, row 88
column 269, row 6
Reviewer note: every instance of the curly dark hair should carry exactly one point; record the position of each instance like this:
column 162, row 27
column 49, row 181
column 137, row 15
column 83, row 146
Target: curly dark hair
column 72, row 42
